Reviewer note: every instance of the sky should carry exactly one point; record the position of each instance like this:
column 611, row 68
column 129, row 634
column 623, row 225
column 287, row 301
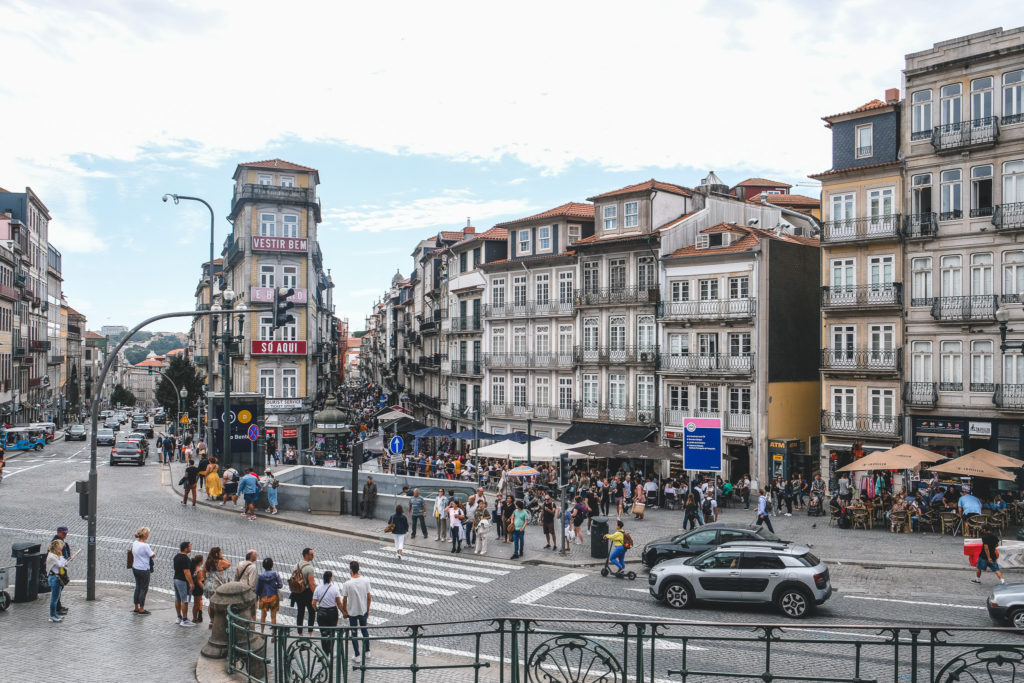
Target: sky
column 417, row 115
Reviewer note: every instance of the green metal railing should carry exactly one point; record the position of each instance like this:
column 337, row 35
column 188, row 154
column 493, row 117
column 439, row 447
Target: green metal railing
column 551, row 651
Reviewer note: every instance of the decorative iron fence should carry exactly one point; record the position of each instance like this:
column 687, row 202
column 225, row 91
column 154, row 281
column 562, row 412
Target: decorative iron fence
column 623, row 651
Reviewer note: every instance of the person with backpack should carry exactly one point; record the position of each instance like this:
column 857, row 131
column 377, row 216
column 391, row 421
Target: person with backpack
column 302, row 583
column 270, row 483
column 267, row 585
column 204, row 463
column 621, row 542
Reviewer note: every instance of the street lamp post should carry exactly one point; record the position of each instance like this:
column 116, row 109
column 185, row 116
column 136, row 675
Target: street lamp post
column 228, row 297
column 209, row 304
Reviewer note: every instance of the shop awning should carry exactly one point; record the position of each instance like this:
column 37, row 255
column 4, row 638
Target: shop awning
column 939, row 436
column 602, row 432
column 867, row 448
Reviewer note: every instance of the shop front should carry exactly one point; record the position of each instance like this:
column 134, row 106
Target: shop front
column 288, row 425
column 952, row 437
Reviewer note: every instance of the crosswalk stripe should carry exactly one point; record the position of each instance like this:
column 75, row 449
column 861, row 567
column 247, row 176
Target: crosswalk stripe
column 373, row 572
column 462, row 560
column 378, row 581
column 421, row 559
column 407, row 569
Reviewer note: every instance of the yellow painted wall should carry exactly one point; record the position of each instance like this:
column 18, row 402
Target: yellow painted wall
column 302, row 179
column 793, row 411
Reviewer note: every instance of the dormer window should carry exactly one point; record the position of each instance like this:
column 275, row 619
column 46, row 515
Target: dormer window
column 524, row 241
column 574, row 234
column 544, row 238
column 865, row 141
column 632, row 214
column 264, row 179
column 611, row 217
column 714, row 240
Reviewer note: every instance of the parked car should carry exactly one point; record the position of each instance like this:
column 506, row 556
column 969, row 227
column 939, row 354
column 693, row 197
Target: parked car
column 128, row 451
column 788, row 576
column 696, row 541
column 104, row 436
column 1006, row 604
column 75, row 433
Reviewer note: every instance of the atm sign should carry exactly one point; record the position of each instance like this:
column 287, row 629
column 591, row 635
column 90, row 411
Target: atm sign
column 279, row 348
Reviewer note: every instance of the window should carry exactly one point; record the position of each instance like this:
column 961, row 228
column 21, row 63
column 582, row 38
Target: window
column 519, row 340
column 842, row 214
column 951, row 275
column 707, row 399
column 981, row 274
column 287, row 181
column 881, row 341
column 883, row 405
column 645, row 277
column 265, row 180
column 464, row 266
column 565, row 287
column 267, row 376
column 289, row 276
column 266, row 327
column 680, row 290
column 645, row 332
column 1013, row 185
column 843, row 344
column 498, row 390
column 498, row 292
column 1013, row 369
column 981, row 190
column 519, row 290
column 678, row 398
column 267, row 276
column 921, row 193
column 542, row 392
column 981, row 366
column 1013, row 276
column 952, row 366
column 631, row 214
column 590, row 393
column 617, row 333
column 739, row 287
column 949, row 104
column 565, row 393
column 949, row 195
column 739, row 400
column 519, row 391
column 844, row 401
column 1013, row 102
column 574, row 234
column 880, row 210
column 708, row 289
column 921, row 116
column 268, row 225
column 617, row 274
column 497, row 340
column 865, row 137
column 542, row 340
column 610, row 214
column 290, row 332
column 707, row 343
column 565, row 341
column 290, row 222
column 524, row 241
column 590, row 342
column 289, row 383
column 591, row 279
column 921, row 281
column 981, row 100
column 543, row 289
column 679, row 344
column 645, row 392
column 921, row 361
column 739, row 343
column 616, row 391
column 544, row 238
column 880, row 272
column 842, row 275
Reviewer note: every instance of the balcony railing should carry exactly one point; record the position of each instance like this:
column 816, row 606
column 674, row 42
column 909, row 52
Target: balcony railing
column 582, row 410
column 862, row 296
column 956, row 309
column 19, row 351
column 714, row 309
column 528, row 308
column 1009, row 217
column 526, row 411
column 862, row 360
column 466, row 367
column 953, row 137
column 529, row 360
column 920, row 226
column 731, row 421
column 611, row 296
column 921, row 394
column 606, row 355
column 9, row 292
column 300, row 196
column 872, row 426
column 1009, row 396
column 462, row 324
column 37, row 345
column 861, row 229
column 431, row 362
column 715, row 364
column 56, row 360
column 951, row 386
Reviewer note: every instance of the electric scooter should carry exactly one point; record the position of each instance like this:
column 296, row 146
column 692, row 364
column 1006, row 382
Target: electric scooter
column 606, row 570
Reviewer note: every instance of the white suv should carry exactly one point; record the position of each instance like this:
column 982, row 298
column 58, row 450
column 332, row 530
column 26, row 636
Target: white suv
column 789, row 576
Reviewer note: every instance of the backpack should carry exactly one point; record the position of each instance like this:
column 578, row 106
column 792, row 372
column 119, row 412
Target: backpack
column 706, row 506
column 131, row 559
column 627, row 541
column 297, row 582
column 274, row 484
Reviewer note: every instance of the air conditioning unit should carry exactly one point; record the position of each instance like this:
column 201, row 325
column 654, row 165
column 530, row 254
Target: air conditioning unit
column 646, row 356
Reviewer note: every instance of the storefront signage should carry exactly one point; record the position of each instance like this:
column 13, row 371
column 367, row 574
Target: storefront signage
column 239, row 419
column 980, row 428
column 279, row 348
column 260, row 243
column 702, row 444
column 289, row 433
column 954, row 427
column 777, row 457
column 283, row 404
column 266, row 295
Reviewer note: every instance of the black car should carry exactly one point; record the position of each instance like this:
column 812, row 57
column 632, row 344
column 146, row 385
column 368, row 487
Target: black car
column 695, row 541
column 75, row 433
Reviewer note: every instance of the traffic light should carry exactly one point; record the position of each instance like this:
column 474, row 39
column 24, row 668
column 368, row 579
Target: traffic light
column 281, row 305
column 563, row 469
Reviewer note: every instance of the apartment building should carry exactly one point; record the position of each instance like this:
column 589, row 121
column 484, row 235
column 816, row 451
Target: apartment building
column 56, row 335
column 862, row 287
column 963, row 144
column 430, row 310
column 75, row 368
column 9, row 262
column 529, row 323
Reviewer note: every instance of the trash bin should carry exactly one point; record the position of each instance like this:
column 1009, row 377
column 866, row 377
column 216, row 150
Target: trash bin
column 28, row 566
column 598, row 543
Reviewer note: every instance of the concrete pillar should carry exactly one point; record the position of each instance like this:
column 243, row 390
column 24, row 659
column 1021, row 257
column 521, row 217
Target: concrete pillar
column 239, row 596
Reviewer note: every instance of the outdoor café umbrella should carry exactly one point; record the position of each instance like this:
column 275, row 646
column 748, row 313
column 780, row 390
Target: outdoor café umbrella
column 516, row 437
column 966, row 466
column 523, row 471
column 997, row 459
column 470, row 434
column 903, row 457
column 431, row 432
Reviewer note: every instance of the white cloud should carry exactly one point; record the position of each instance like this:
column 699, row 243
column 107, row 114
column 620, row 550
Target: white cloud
column 424, row 213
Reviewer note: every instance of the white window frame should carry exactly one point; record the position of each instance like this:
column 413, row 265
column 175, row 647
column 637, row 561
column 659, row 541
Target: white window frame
column 524, row 239
column 739, row 287
column 565, row 285
column 289, row 382
column 267, row 275
column 982, row 96
column 1013, row 182
column 951, row 194
column 290, row 276
column 542, row 392
column 708, row 288
column 498, row 390
column 544, row 238
column 497, row 340
column 1013, row 97
column 921, row 361
column 616, row 391
column 573, row 234
column 268, row 225
column 289, row 225
column 265, row 179
column 982, row 269
column 565, row 393
column 542, row 289
column 520, row 391
column 951, row 275
column 1013, row 276
column 618, row 274
column 864, row 133
column 609, row 215
column 645, row 392
column 951, row 362
column 266, row 327
column 921, row 117
column 267, row 382
column 679, row 290
column 542, row 340
column 631, row 214
column 982, row 358
column 708, row 399
column 287, row 181
column 498, row 292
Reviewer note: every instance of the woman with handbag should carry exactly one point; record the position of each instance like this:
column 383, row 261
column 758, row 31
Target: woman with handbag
column 142, row 569
column 398, row 526
column 639, row 503
column 327, row 607
column 55, row 562
column 455, row 517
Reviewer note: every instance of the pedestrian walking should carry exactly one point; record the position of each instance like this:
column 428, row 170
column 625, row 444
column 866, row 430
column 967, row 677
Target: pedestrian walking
column 417, row 510
column 398, row 526
column 762, row 511
column 62, row 536
column 198, row 583
column 247, row 572
column 355, row 606
column 216, row 570
column 989, row 555
column 214, row 488
column 369, row 498
column 302, row 583
column 188, row 482
column 267, row 586
column 519, row 519
column 230, row 485
column 455, row 517
column 327, row 605
column 249, row 489
column 441, row 515
column 183, row 583
column 270, row 484
column 142, row 569
column 56, row 573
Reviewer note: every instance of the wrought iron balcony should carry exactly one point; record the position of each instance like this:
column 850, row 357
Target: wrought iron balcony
column 37, row 345
column 1009, row 217
column 713, row 309
column 607, row 355
column 199, row 361
column 871, row 426
column 920, row 226
column 56, row 360
column 1009, row 396
column 466, row 367
column 583, row 410
column 462, row 324
column 295, row 196
column 862, row 360
column 960, row 309
column 861, row 229
column 430, row 362
column 19, row 351
column 528, row 308
column 715, row 364
column 527, row 411
column 20, row 278
column 9, row 293
column 921, row 394
column 852, row 297
column 731, row 421
column 951, row 386
column 954, row 137
column 953, row 215
column 614, row 296
column 983, row 387
column 529, row 360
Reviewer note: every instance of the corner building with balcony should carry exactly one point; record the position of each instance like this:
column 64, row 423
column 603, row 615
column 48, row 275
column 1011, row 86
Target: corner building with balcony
column 963, row 144
column 862, row 292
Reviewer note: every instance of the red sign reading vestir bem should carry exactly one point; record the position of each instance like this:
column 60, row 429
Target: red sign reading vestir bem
column 260, row 243
column 278, row 348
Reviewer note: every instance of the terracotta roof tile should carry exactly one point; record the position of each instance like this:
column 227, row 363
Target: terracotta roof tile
column 568, row 210
column 448, row 235
column 750, row 239
column 495, row 234
column 533, row 257
column 867, row 106
column 595, row 239
column 761, row 182
column 150, row 363
column 93, row 335
column 786, row 200
column 278, row 165
column 837, row 171
column 647, row 185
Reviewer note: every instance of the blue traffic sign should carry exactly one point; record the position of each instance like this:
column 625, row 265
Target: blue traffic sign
column 254, row 432
column 396, row 444
column 383, row 401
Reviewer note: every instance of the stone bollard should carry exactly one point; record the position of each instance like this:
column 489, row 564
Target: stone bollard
column 238, row 595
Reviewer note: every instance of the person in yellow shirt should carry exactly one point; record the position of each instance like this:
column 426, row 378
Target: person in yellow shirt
column 618, row 539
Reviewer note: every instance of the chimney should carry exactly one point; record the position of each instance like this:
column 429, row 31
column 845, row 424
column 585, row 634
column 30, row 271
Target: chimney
column 892, row 95
column 468, row 230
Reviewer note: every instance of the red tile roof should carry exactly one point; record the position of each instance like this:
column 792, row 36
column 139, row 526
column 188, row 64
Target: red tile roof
column 646, row 186
column 278, row 165
column 751, row 237
column 867, row 106
column 567, row 210
column 93, row 335
column 533, row 257
column 761, row 182
column 595, row 239
column 855, row 168
column 495, row 234
column 786, row 200
column 450, row 236
column 150, row 363
column 175, row 352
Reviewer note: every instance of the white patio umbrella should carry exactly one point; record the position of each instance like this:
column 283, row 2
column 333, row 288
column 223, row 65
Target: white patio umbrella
column 541, row 450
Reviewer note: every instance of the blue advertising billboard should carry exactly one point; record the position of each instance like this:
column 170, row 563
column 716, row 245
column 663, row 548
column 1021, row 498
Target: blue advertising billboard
column 702, row 444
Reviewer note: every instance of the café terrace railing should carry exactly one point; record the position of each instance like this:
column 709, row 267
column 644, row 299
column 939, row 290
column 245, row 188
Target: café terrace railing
column 623, row 651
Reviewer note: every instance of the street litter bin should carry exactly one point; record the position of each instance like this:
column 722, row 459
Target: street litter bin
column 598, row 543
column 28, row 566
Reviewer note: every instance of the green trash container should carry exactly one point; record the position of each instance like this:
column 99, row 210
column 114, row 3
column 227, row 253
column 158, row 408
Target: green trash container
column 28, row 566
column 598, row 543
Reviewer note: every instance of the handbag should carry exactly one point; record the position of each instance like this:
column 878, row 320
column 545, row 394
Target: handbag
column 63, row 577
column 638, row 508
column 389, row 528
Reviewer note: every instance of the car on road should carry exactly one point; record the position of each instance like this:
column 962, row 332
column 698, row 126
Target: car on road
column 703, row 538
column 104, row 436
column 141, row 438
column 75, row 433
column 130, row 451
column 1006, row 604
column 112, row 423
column 787, row 576
column 159, row 419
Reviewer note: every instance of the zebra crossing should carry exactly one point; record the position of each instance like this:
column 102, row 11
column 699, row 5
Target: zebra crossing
column 400, row 587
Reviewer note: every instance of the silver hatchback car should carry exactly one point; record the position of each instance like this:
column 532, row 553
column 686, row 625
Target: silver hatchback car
column 1006, row 605
column 788, row 576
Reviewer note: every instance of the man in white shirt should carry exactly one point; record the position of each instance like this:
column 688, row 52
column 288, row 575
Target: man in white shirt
column 651, row 492
column 355, row 605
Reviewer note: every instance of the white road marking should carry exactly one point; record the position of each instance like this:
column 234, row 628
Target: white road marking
column 23, row 469
column 70, row 486
column 372, row 573
column 462, row 560
column 547, row 589
column 914, row 602
column 439, row 562
column 408, row 569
